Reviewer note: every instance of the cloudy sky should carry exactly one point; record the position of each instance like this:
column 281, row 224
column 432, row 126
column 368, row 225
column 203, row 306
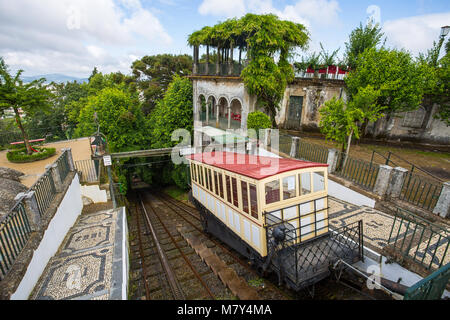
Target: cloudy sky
column 73, row 36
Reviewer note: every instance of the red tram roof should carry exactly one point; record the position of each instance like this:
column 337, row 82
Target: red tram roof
column 256, row 167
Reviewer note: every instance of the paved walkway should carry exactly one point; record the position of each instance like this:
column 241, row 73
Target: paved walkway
column 81, row 150
column 377, row 228
column 90, row 263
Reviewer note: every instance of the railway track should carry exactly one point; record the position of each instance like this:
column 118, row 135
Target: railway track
column 190, row 215
column 164, row 266
column 190, row 275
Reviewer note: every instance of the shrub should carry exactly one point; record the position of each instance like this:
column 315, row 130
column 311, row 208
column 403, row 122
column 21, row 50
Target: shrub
column 21, row 156
column 258, row 120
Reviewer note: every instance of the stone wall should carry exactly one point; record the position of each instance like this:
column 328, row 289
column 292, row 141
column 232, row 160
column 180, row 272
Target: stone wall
column 416, row 126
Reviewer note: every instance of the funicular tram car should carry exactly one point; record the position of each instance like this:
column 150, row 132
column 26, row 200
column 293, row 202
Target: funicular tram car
column 273, row 211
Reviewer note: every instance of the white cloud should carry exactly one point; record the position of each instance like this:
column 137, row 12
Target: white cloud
column 42, row 35
column 228, row 8
column 415, row 34
column 324, row 12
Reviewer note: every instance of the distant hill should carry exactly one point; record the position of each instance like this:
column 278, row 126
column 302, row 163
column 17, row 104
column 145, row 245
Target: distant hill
column 58, row 78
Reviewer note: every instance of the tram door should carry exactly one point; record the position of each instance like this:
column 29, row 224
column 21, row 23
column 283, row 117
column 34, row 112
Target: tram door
column 295, row 112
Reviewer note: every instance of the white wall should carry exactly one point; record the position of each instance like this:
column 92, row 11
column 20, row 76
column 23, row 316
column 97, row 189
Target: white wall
column 66, row 215
column 94, row 193
column 346, row 194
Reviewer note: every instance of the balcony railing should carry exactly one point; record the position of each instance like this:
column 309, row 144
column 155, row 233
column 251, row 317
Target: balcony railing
column 24, row 218
column 224, row 70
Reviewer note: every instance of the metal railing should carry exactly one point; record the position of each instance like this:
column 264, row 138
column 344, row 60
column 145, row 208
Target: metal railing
column 14, row 233
column 15, row 226
column 50, row 134
column 414, row 237
column 45, row 191
column 225, row 69
column 421, row 191
column 87, row 170
column 361, row 172
column 430, row 288
column 312, row 152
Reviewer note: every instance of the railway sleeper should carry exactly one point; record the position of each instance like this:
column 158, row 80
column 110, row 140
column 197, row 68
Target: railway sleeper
column 227, row 275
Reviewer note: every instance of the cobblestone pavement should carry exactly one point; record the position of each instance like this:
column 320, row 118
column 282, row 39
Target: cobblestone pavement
column 377, row 227
column 83, row 268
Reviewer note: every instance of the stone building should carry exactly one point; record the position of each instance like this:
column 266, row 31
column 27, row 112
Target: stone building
column 221, row 100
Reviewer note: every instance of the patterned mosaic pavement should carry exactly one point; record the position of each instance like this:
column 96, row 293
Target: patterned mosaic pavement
column 377, row 228
column 88, row 265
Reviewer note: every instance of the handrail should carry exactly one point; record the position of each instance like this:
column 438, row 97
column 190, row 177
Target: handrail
column 413, row 166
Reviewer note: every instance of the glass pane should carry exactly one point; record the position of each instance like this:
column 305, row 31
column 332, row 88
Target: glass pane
column 244, row 191
column 305, row 183
column 253, row 201
column 318, row 181
column 272, row 191
column 289, row 187
column 235, row 192
column 210, row 180
column 216, row 183
column 227, row 179
column 221, row 184
column 202, row 182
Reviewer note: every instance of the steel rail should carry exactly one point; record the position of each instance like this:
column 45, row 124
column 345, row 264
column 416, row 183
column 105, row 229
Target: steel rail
column 227, row 251
column 141, row 252
column 172, row 280
column 197, row 275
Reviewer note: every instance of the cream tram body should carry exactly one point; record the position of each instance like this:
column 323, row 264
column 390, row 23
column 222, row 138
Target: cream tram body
column 239, row 198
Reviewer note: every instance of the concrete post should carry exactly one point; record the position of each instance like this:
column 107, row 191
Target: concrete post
column 382, row 183
column 32, row 209
column 229, row 117
column 69, row 158
column 53, row 168
column 195, row 53
column 398, row 176
column 294, row 147
column 207, row 113
column 217, row 115
column 267, row 137
column 332, row 160
column 442, row 207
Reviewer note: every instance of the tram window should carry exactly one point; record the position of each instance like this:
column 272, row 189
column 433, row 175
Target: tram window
column 244, row 190
column 318, row 181
column 200, row 172
column 235, row 192
column 227, row 178
column 272, row 191
column 289, row 190
column 216, row 183
column 253, row 201
column 220, row 184
column 210, row 180
column 206, row 179
column 305, row 183
column 194, row 168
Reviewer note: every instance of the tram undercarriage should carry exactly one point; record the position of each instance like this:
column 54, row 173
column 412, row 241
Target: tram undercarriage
column 300, row 265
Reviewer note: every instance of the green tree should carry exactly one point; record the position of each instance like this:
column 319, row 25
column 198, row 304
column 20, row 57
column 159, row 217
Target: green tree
column 153, row 74
column 173, row 112
column 263, row 37
column 341, row 122
column 120, row 118
column 258, row 120
column 398, row 79
column 361, row 39
column 29, row 97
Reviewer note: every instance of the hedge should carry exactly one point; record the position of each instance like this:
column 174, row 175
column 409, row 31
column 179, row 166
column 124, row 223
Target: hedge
column 21, row 156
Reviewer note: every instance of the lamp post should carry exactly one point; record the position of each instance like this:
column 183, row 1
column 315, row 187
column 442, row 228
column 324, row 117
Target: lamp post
column 99, row 150
column 444, row 32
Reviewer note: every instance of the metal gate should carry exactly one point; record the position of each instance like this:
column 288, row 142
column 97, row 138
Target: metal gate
column 295, row 112
column 430, row 288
